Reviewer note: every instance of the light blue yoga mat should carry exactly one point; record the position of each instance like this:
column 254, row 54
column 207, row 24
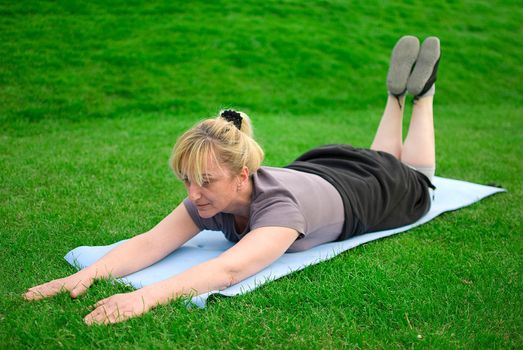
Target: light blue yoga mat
column 449, row 195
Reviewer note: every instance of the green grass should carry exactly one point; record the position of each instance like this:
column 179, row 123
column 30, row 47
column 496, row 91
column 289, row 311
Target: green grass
column 93, row 97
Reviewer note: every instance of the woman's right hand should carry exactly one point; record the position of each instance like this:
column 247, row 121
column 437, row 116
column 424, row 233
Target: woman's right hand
column 75, row 284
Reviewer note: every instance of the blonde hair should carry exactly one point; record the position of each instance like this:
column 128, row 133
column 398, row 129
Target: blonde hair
column 220, row 139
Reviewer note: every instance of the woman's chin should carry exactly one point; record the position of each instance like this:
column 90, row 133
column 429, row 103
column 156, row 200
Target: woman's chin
column 206, row 212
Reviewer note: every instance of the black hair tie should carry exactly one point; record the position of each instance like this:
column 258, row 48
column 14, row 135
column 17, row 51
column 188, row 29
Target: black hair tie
column 232, row 116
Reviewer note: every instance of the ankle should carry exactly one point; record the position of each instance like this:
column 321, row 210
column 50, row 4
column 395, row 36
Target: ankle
column 424, row 100
column 430, row 92
column 396, row 102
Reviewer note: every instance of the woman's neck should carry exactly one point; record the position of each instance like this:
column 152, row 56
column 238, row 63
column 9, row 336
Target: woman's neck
column 242, row 205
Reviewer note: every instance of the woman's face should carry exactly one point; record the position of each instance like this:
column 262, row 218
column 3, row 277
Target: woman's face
column 217, row 192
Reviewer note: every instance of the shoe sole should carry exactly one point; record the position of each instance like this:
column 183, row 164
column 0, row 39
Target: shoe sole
column 424, row 73
column 402, row 59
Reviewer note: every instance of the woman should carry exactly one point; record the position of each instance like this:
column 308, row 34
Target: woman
column 330, row 193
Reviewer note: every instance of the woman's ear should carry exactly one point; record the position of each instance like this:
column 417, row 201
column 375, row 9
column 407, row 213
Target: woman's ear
column 244, row 174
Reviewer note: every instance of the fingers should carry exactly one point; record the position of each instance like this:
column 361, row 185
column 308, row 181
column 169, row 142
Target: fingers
column 76, row 286
column 108, row 313
column 116, row 308
column 33, row 295
column 104, row 311
column 103, row 301
column 44, row 290
column 98, row 315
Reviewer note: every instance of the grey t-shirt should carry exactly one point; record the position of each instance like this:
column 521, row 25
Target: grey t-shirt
column 288, row 198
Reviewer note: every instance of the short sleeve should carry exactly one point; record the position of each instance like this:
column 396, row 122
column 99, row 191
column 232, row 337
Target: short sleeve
column 282, row 212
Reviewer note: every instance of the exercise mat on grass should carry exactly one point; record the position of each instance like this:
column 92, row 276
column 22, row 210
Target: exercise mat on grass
column 449, row 195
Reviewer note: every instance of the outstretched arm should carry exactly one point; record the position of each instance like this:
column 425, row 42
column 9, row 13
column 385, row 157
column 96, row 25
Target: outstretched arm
column 132, row 255
column 253, row 253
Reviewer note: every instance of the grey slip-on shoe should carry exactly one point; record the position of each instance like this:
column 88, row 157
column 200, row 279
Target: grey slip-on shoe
column 402, row 60
column 425, row 71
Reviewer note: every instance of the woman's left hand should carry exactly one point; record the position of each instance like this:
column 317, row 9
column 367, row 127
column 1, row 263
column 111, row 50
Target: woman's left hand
column 119, row 307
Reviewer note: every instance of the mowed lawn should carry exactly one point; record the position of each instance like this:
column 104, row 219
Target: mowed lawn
column 93, row 96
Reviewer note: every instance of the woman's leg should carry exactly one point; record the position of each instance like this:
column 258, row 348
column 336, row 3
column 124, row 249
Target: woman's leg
column 418, row 150
column 389, row 134
column 419, row 147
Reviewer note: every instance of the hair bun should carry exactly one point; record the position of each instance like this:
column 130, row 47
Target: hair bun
column 233, row 116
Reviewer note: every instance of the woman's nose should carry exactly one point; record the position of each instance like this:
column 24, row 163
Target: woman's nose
column 194, row 192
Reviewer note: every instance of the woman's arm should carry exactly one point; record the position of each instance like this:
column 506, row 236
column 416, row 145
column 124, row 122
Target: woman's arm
column 254, row 252
column 132, row 255
column 147, row 248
